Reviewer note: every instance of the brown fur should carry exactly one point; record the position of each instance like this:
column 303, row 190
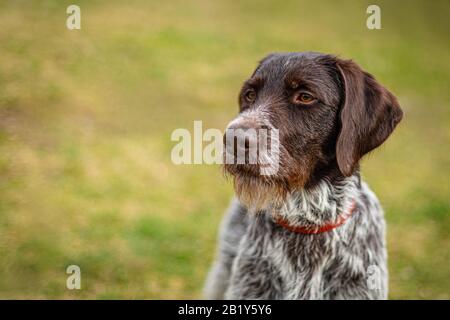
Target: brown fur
column 351, row 115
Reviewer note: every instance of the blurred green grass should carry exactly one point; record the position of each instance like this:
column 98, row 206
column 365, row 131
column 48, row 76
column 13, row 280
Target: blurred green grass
column 86, row 117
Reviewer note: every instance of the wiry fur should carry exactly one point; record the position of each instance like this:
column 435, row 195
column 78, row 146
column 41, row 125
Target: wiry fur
column 321, row 142
column 259, row 259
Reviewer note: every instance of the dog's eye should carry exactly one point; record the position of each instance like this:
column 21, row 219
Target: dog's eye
column 250, row 95
column 304, row 98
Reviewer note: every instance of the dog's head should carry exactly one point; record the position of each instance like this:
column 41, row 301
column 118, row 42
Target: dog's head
column 328, row 113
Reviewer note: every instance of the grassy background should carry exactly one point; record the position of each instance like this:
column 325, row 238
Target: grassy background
column 86, row 118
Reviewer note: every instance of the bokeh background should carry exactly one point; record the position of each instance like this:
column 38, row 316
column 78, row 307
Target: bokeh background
column 86, row 118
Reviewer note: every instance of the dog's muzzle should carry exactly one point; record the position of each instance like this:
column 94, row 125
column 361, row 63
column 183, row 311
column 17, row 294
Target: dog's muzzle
column 250, row 140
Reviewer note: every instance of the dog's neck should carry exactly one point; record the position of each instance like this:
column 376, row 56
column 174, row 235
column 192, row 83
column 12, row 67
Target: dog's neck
column 319, row 205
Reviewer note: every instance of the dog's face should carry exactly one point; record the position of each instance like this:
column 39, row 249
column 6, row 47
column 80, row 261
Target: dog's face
column 328, row 113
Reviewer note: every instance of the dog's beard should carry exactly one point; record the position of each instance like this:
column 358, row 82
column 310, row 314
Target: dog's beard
column 258, row 195
column 258, row 192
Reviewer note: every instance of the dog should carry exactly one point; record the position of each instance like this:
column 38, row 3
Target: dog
column 314, row 229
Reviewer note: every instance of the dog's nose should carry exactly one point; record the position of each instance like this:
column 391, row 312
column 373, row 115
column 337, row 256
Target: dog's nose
column 243, row 135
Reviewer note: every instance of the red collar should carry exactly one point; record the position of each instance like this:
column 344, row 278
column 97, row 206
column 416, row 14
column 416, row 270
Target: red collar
column 324, row 228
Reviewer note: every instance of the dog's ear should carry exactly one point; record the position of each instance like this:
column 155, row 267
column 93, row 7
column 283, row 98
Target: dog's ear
column 368, row 116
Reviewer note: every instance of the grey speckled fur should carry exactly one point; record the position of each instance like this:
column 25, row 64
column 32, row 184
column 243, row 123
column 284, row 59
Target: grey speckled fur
column 329, row 113
column 258, row 259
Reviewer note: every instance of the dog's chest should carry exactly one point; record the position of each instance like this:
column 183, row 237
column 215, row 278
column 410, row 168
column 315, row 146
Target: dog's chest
column 271, row 241
column 291, row 265
column 273, row 262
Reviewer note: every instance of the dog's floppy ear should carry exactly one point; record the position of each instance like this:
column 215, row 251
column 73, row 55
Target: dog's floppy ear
column 368, row 116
